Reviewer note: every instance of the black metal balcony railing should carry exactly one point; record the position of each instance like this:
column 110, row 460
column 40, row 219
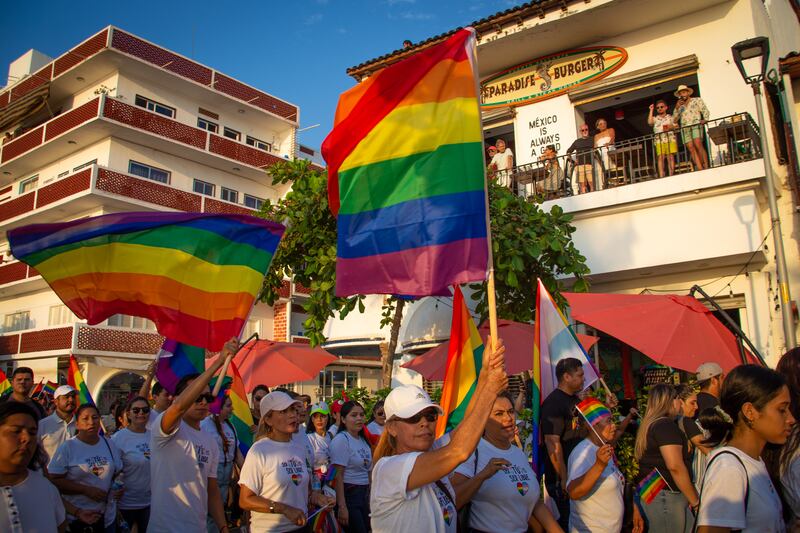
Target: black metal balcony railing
column 724, row 141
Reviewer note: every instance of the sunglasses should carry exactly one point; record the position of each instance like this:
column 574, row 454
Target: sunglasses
column 379, row 413
column 137, row 410
column 661, row 107
column 207, row 396
column 430, row 416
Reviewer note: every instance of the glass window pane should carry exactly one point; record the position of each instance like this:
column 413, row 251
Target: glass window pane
column 138, row 170
column 159, row 175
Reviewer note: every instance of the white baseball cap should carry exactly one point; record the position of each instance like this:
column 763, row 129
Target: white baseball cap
column 707, row 371
column 407, row 400
column 63, row 390
column 276, row 401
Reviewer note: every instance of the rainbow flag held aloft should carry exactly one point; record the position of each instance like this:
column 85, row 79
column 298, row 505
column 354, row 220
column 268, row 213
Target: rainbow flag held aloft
column 241, row 418
column 5, row 385
column 75, row 380
column 464, row 361
column 196, row 275
column 50, row 388
column 649, row 487
column 37, row 390
column 593, row 410
column 176, row 360
column 406, row 176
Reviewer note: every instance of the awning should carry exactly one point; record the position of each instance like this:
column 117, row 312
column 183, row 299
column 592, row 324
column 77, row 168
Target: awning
column 16, row 111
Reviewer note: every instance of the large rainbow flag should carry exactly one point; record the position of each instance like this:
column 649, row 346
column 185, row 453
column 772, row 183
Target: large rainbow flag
column 464, row 361
column 196, row 275
column 241, row 418
column 176, row 360
column 75, row 380
column 406, row 176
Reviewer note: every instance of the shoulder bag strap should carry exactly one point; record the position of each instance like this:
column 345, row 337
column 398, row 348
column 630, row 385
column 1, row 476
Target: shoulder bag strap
column 747, row 486
column 443, row 488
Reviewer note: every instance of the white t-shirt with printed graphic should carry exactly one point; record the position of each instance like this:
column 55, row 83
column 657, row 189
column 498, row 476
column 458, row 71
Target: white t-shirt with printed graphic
column 180, row 464
column 602, row 509
column 276, row 471
column 31, row 506
column 505, row 501
column 210, row 427
column 354, row 454
column 396, row 510
column 93, row 465
column 320, row 447
column 135, row 449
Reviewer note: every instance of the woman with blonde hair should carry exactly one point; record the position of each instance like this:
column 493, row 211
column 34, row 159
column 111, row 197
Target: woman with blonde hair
column 661, row 445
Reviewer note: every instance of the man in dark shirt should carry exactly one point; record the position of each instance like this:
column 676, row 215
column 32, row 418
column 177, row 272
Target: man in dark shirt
column 562, row 431
column 583, row 146
column 21, row 385
column 710, row 377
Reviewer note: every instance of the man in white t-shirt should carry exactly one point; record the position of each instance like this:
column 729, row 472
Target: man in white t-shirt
column 58, row 427
column 504, row 158
column 162, row 399
column 183, row 468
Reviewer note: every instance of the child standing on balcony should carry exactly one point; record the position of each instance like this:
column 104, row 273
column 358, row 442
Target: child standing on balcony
column 665, row 143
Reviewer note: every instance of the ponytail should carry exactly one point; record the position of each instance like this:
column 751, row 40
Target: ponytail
column 225, row 444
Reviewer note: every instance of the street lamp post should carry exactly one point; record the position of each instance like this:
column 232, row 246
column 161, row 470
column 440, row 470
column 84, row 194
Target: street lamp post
column 751, row 58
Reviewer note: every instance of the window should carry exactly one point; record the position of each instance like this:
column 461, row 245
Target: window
column 253, row 202
column 203, row 187
column 232, row 134
column 134, row 322
column 60, row 314
column 261, row 145
column 17, row 321
column 333, row 381
column 152, row 105
column 29, row 184
column 146, row 171
column 207, row 125
column 253, row 326
column 87, row 164
column 229, row 195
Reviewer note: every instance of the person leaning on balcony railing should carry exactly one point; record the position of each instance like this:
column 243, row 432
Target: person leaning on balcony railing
column 692, row 114
column 503, row 160
column 666, row 144
column 583, row 147
column 554, row 180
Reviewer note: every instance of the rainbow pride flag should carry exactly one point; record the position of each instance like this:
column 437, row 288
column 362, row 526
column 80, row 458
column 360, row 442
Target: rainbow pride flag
column 37, row 390
column 593, row 410
column 464, row 361
column 196, row 275
column 75, row 380
column 50, row 388
column 5, row 385
column 176, row 360
column 406, row 176
column 649, row 487
column 241, row 418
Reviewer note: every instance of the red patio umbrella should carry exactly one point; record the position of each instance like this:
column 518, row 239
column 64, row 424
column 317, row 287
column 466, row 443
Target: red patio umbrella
column 676, row 331
column 518, row 339
column 273, row 363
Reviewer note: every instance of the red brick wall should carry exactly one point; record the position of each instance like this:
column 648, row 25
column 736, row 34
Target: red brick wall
column 46, row 339
column 279, row 324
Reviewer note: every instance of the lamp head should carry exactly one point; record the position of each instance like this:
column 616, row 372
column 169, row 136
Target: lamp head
column 751, row 58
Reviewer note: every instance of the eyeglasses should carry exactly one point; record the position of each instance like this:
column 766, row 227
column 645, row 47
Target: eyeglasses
column 137, row 410
column 661, row 107
column 430, row 416
column 584, row 129
column 379, row 413
column 207, row 396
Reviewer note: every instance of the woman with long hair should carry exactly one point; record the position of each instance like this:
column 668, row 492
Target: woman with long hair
column 134, row 444
column 30, row 502
column 411, row 491
column 275, row 479
column 736, row 493
column 318, row 438
column 219, row 426
column 686, row 421
column 661, row 445
column 352, row 457
column 83, row 468
column 789, row 461
column 498, row 479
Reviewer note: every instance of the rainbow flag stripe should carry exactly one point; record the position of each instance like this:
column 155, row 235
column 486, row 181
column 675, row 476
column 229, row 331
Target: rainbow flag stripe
column 50, row 388
column 196, row 275
column 241, row 418
column 593, row 410
column 75, row 380
column 464, row 361
column 5, row 385
column 649, row 487
column 406, row 176
column 176, row 360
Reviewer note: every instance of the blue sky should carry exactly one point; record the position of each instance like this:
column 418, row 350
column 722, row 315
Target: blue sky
column 298, row 51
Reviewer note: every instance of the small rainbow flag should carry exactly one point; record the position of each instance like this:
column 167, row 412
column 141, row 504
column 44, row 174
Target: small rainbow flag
column 464, row 361
column 593, row 410
column 649, row 487
column 241, row 417
column 406, row 176
column 196, row 275
column 5, row 385
column 75, row 380
column 50, row 388
column 37, row 390
column 176, row 360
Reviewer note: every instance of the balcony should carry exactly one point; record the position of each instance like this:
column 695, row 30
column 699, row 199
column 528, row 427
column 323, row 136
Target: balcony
column 729, row 141
column 80, row 338
column 103, row 117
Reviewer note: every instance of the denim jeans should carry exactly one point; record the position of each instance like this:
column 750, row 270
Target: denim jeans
column 357, row 498
column 668, row 513
column 224, row 472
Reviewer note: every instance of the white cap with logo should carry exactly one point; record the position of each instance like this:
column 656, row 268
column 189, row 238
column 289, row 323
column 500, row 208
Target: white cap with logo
column 64, row 390
column 707, row 371
column 276, row 401
column 407, row 400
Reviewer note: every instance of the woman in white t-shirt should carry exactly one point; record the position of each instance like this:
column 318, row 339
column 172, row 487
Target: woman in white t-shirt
column 83, row 468
column 275, row 477
column 594, row 482
column 498, row 479
column 375, row 426
column 352, row 457
column 224, row 435
column 789, row 456
column 410, row 487
column 28, row 501
column 736, row 492
column 318, row 437
column 134, row 445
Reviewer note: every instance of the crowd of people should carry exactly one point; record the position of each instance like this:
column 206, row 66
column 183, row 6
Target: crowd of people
column 727, row 449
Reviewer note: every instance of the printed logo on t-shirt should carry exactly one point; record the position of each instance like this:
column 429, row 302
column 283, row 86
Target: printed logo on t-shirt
column 144, row 449
column 518, row 476
column 203, row 456
column 448, row 512
column 365, row 457
column 295, row 479
column 522, row 488
column 97, row 464
column 294, row 469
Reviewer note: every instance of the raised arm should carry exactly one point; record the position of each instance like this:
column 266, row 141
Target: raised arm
column 144, row 391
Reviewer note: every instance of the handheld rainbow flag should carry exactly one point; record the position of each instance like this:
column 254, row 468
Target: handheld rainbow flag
column 5, row 385
column 593, row 410
column 406, row 176
column 196, row 275
column 464, row 361
column 37, row 390
column 241, row 417
column 75, row 380
column 50, row 388
column 175, row 360
column 649, row 487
